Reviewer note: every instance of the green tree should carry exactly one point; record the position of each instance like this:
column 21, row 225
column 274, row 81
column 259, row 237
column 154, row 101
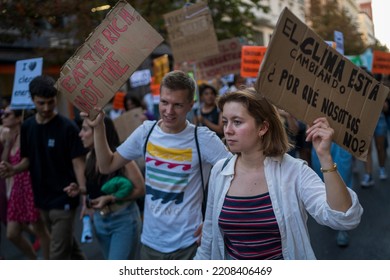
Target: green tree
column 73, row 20
column 379, row 47
column 328, row 17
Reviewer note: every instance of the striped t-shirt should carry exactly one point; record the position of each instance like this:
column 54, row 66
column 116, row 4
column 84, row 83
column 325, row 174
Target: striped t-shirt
column 250, row 228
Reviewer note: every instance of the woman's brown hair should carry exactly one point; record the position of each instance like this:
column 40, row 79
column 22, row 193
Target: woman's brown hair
column 274, row 141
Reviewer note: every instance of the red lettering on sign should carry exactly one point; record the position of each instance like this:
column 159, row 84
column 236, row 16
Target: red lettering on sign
column 65, row 83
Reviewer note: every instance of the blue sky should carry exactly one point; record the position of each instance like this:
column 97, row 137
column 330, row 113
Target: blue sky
column 381, row 15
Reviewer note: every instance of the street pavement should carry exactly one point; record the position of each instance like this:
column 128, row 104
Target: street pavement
column 369, row 241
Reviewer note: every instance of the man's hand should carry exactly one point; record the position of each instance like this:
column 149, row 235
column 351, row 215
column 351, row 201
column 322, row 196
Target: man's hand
column 97, row 121
column 72, row 190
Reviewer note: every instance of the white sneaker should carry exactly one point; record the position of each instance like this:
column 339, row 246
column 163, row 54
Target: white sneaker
column 367, row 181
column 382, row 173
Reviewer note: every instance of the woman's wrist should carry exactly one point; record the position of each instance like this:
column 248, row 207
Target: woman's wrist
column 328, row 170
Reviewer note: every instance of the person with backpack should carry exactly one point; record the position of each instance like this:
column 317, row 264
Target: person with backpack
column 175, row 153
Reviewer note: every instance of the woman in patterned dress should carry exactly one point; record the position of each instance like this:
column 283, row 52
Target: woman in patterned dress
column 22, row 215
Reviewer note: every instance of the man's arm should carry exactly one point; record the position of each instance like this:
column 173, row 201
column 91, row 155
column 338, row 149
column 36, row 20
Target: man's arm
column 107, row 161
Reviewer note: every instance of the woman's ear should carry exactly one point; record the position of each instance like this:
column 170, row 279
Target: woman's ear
column 263, row 128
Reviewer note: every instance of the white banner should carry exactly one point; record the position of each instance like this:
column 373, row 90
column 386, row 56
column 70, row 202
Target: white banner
column 140, row 78
column 25, row 71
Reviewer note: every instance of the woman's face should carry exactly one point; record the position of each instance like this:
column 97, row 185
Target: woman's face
column 208, row 97
column 86, row 135
column 8, row 118
column 241, row 132
column 129, row 104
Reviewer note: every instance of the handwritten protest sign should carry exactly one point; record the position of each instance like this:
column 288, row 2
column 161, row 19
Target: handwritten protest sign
column 126, row 123
column 251, row 59
column 381, row 63
column 301, row 74
column 108, row 57
column 227, row 61
column 191, row 32
column 25, row 71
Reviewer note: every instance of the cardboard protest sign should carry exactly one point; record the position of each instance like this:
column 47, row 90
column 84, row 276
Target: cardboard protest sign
column 126, row 123
column 227, row 61
column 301, row 74
column 108, row 57
column 381, row 63
column 160, row 68
column 191, row 32
column 251, row 59
column 25, row 71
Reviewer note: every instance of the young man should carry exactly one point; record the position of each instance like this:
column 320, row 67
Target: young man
column 53, row 152
column 172, row 213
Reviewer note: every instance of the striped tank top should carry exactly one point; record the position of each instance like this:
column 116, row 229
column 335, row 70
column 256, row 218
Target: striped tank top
column 250, row 229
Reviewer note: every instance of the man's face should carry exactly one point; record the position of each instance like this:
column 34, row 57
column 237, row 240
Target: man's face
column 173, row 107
column 45, row 106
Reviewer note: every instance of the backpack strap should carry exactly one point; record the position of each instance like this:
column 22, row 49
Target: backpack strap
column 204, row 188
column 147, row 137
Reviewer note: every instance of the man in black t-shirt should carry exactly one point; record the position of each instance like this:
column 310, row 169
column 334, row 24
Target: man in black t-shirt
column 53, row 153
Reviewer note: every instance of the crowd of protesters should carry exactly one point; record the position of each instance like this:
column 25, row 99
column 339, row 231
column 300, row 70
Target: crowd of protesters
column 239, row 138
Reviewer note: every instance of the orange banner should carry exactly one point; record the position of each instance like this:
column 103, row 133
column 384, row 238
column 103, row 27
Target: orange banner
column 381, row 63
column 251, row 58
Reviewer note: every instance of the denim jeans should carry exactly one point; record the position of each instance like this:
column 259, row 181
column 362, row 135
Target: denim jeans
column 119, row 232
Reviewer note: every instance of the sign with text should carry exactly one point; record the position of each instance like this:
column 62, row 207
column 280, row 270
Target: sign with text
column 301, row 74
column 107, row 59
column 140, row 78
column 25, row 71
column 160, row 68
column 251, row 59
column 191, row 32
column 126, row 123
column 228, row 61
column 381, row 63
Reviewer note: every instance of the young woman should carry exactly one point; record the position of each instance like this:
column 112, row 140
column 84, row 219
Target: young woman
column 116, row 217
column 22, row 215
column 209, row 115
column 260, row 198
